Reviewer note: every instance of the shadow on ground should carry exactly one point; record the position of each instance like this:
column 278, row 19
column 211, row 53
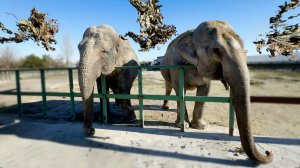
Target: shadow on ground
column 61, row 130
column 60, row 110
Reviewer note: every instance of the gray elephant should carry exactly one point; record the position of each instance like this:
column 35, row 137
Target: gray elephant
column 101, row 50
column 218, row 54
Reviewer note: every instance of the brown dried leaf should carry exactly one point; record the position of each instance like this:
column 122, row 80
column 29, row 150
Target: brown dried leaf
column 283, row 38
column 153, row 31
column 38, row 27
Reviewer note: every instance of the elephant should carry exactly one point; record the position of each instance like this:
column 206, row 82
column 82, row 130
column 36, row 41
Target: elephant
column 102, row 49
column 217, row 53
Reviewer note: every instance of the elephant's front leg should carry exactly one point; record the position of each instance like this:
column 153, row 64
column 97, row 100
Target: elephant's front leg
column 186, row 117
column 99, row 89
column 198, row 121
column 125, row 104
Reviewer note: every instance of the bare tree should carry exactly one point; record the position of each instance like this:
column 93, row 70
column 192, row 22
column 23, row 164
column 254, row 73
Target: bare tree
column 67, row 50
column 8, row 58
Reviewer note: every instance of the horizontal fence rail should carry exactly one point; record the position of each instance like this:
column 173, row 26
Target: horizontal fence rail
column 140, row 96
column 275, row 99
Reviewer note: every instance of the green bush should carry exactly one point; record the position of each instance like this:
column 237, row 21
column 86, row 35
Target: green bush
column 49, row 62
column 33, row 61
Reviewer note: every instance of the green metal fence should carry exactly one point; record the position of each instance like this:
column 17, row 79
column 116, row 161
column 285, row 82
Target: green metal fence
column 140, row 96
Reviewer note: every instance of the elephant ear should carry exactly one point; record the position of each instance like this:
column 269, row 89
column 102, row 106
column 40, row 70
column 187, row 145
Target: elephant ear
column 108, row 56
column 185, row 49
column 187, row 54
column 107, row 61
column 124, row 52
column 108, row 44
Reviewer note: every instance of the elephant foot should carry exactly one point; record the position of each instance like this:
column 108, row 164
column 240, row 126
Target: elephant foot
column 130, row 118
column 186, row 124
column 130, row 109
column 198, row 124
column 88, row 131
column 165, row 107
column 130, row 121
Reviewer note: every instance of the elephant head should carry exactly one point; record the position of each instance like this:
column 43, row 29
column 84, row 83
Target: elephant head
column 218, row 53
column 102, row 49
column 98, row 48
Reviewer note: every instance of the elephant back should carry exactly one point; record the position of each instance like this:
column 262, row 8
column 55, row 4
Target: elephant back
column 214, row 29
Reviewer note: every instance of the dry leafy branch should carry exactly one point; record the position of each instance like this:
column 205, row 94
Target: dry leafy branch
column 153, row 30
column 283, row 38
column 38, row 27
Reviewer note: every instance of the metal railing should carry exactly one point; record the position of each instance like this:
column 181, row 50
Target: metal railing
column 43, row 92
column 140, row 96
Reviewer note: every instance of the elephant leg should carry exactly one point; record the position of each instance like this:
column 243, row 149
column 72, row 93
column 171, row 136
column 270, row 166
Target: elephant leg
column 186, row 117
column 99, row 88
column 125, row 104
column 198, row 121
column 112, row 82
column 168, row 87
column 118, row 101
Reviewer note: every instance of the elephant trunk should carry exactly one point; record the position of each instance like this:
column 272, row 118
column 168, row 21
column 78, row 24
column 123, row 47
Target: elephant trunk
column 237, row 76
column 89, row 68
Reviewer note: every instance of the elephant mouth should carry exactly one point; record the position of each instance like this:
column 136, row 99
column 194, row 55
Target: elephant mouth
column 219, row 75
column 218, row 72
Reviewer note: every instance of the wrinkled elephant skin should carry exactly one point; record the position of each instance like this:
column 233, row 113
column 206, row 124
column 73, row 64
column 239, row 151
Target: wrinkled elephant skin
column 101, row 51
column 218, row 54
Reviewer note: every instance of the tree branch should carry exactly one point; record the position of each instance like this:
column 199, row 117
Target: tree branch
column 153, row 31
column 282, row 39
column 38, row 27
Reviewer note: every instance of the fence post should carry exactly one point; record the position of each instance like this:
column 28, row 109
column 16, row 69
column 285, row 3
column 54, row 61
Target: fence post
column 43, row 85
column 71, row 87
column 104, row 101
column 140, row 84
column 18, row 87
column 181, row 95
column 231, row 115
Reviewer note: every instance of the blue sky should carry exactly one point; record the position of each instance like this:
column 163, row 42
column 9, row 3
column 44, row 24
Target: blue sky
column 248, row 17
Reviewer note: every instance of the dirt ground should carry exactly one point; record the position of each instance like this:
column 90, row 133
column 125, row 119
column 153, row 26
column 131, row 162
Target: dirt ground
column 159, row 144
column 30, row 143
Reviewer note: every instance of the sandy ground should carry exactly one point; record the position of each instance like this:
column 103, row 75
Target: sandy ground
column 55, row 141
column 33, row 143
